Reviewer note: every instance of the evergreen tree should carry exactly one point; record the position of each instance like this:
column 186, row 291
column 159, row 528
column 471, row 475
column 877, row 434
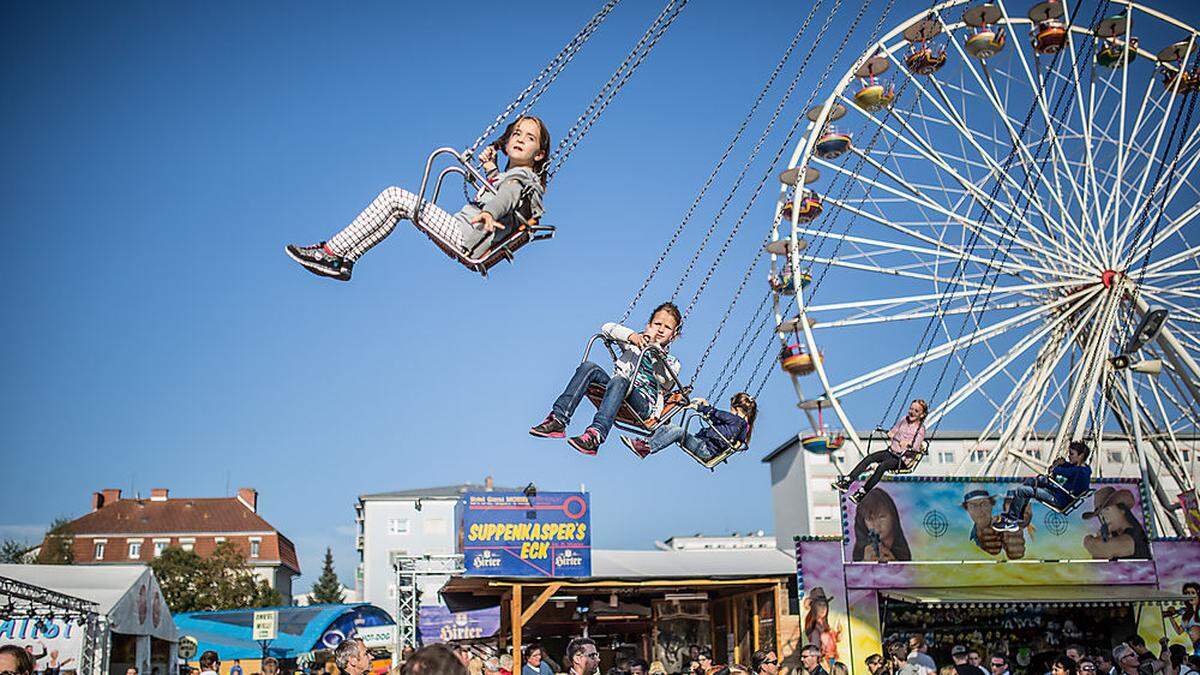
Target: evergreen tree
column 327, row 590
column 12, row 551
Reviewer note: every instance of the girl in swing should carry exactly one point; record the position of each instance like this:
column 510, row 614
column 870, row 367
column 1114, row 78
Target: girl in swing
column 904, row 441
column 733, row 426
column 645, row 388
column 490, row 218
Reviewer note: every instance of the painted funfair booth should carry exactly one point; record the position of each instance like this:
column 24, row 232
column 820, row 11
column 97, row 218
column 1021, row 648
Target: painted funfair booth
column 918, row 556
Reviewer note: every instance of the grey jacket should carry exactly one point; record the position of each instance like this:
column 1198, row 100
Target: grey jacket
column 502, row 203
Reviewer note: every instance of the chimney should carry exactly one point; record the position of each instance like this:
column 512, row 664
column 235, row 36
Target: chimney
column 488, row 484
column 158, row 494
column 249, row 497
column 110, row 496
column 97, row 501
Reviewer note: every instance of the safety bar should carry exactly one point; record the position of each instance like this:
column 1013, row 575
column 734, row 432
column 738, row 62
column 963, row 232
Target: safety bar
column 652, row 352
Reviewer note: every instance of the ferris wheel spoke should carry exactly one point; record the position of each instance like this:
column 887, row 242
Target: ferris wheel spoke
column 1142, row 248
column 944, row 349
column 1185, row 255
column 1141, row 245
column 909, row 316
column 1023, row 289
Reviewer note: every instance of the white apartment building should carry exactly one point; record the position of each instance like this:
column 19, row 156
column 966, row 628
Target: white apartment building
column 406, row 522
column 804, row 502
column 720, row 542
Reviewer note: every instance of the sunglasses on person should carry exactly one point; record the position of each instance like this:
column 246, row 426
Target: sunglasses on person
column 1089, row 668
column 999, row 664
column 772, row 662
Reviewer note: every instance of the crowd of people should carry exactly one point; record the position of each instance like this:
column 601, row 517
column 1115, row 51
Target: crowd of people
column 1131, row 657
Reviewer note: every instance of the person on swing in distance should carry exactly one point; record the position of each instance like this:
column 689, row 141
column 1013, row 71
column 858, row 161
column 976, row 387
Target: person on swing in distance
column 1071, row 477
column 490, row 218
column 904, row 441
column 644, row 390
column 736, row 425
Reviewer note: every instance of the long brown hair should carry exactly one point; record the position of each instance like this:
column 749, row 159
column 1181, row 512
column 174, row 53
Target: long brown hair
column 539, row 166
column 747, row 404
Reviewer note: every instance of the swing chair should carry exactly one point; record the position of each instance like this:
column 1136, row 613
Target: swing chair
column 731, row 447
column 1071, row 503
column 529, row 227
column 824, row 442
column 784, row 284
column 987, row 40
column 833, row 143
column 627, row 418
column 810, row 209
column 873, row 96
column 795, row 361
column 921, row 58
column 911, row 458
column 1049, row 33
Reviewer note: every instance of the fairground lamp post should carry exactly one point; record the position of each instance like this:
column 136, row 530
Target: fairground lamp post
column 1146, row 331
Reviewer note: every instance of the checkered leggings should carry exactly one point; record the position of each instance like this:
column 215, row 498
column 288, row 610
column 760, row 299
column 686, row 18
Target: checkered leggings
column 378, row 220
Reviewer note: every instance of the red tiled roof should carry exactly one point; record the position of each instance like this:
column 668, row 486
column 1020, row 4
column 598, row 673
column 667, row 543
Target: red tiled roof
column 287, row 554
column 143, row 516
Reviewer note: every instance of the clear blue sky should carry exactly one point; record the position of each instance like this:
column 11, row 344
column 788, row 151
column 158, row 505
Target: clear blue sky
column 157, row 159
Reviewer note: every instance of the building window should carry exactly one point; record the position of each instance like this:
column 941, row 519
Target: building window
column 1115, row 456
column 435, row 526
column 219, row 540
column 945, row 456
column 392, row 591
column 255, row 547
column 187, row 544
column 135, row 549
column 824, row 514
column 159, row 547
column 1035, row 453
column 979, row 455
column 397, row 525
column 1184, row 454
column 99, row 552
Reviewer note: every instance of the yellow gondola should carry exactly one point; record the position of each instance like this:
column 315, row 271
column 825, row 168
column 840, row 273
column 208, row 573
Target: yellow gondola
column 795, row 361
column 986, row 43
column 810, row 208
column 874, row 97
column 1048, row 37
column 924, row 60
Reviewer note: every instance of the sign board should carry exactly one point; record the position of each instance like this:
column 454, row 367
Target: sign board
column 377, row 636
column 187, row 647
column 951, row 520
column 266, row 624
column 508, row 534
column 439, row 624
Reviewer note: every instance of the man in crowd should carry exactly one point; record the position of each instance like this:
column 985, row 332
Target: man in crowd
column 764, row 662
column 14, row 659
column 919, row 661
column 810, row 660
column 583, row 657
column 535, row 662
column 1087, row 666
column 998, row 664
column 1104, row 663
column 974, row 658
column 1126, row 659
column 875, row 664
column 351, row 657
column 270, row 666
column 131, row 670
column 1076, row 652
column 210, row 664
column 958, row 653
column 638, row 667
column 437, row 659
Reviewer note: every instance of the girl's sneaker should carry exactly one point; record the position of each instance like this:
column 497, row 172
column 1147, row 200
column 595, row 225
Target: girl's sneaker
column 588, row 442
column 551, row 427
column 318, row 260
column 858, row 495
column 639, row 446
column 842, row 484
column 1006, row 524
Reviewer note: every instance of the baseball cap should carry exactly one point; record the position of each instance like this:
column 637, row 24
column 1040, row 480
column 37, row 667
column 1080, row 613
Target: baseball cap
column 958, row 650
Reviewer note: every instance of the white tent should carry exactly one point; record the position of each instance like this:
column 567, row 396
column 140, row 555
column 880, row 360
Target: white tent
column 133, row 614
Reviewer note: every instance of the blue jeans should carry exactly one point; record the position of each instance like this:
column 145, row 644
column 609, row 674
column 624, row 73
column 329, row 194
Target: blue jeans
column 617, row 391
column 667, row 434
column 1032, row 489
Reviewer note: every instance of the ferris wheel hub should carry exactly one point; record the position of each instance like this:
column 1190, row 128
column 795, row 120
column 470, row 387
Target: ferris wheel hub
column 1107, row 277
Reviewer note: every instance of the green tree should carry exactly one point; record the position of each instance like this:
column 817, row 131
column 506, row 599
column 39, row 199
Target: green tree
column 12, row 551
column 328, row 590
column 223, row 580
column 57, row 546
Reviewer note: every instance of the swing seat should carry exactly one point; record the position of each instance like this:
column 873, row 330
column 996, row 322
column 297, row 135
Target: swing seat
column 986, row 43
column 629, row 420
column 875, row 97
column 1071, row 504
column 1111, row 55
column 832, row 145
column 731, row 447
column 528, row 229
column 911, row 460
column 795, row 361
column 925, row 61
column 1049, row 37
column 823, row 444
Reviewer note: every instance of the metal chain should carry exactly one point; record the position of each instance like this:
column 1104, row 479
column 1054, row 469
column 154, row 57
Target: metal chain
column 551, row 71
column 675, row 7
column 687, row 216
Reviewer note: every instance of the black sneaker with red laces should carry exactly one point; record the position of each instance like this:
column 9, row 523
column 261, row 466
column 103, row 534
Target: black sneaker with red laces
column 319, row 260
column 551, row 427
column 588, row 442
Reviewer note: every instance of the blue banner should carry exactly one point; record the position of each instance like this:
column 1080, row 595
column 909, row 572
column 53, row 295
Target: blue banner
column 438, row 624
column 506, row 534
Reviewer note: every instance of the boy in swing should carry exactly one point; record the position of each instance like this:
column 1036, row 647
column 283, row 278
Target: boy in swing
column 1068, row 479
column 645, row 390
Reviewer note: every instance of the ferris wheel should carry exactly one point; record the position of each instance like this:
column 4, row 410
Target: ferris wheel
column 981, row 212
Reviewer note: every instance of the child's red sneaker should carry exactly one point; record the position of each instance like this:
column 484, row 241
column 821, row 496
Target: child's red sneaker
column 639, row 446
column 588, row 442
column 551, row 427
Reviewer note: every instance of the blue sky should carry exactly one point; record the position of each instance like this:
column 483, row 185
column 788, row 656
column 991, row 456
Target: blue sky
column 158, row 157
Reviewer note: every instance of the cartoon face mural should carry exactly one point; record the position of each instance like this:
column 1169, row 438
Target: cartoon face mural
column 1120, row 534
column 878, row 533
